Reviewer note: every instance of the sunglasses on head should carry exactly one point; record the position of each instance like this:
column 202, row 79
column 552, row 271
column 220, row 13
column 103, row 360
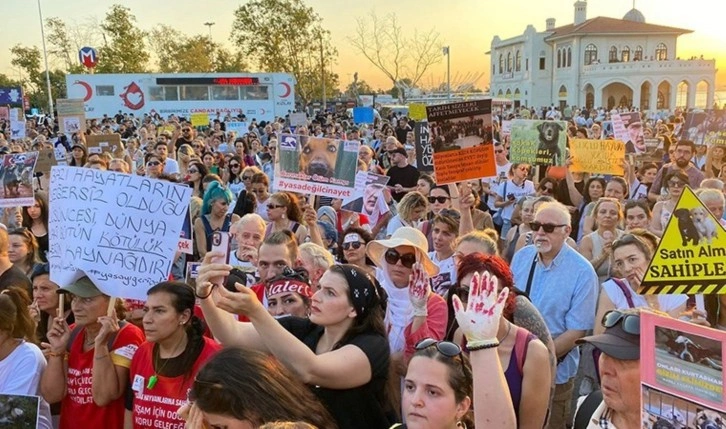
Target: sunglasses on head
column 392, row 257
column 629, row 322
column 354, row 244
column 440, row 200
column 446, row 348
column 547, row 227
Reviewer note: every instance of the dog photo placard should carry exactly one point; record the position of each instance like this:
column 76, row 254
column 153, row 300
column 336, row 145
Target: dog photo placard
column 538, row 142
column 17, row 171
column 691, row 256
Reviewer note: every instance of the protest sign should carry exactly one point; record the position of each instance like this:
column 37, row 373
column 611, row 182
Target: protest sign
column 21, row 411
column 165, row 128
column 506, row 130
column 619, row 130
column 4, row 114
column 681, row 372
column 691, row 255
column 17, row 171
column 239, row 128
column 120, row 230
column 633, row 137
column 186, row 238
column 103, row 143
column 368, row 190
column 200, row 119
column 298, row 119
column 704, row 126
column 363, row 115
column 461, row 138
column 71, row 115
column 597, row 156
column 538, row 142
column 424, row 150
column 417, row 111
column 17, row 130
column 315, row 165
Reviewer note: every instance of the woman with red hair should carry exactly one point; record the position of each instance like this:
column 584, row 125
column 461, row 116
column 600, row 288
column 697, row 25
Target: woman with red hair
column 525, row 358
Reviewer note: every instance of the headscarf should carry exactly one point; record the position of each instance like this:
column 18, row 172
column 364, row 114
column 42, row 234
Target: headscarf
column 365, row 291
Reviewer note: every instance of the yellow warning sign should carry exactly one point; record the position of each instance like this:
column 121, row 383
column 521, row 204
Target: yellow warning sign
column 691, row 256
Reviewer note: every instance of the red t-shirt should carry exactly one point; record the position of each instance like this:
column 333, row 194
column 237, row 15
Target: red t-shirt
column 78, row 410
column 157, row 407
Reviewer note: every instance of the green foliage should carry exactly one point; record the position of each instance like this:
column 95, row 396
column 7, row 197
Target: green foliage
column 124, row 48
column 287, row 36
column 178, row 53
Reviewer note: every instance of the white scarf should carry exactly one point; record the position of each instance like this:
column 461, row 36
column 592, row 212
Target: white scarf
column 399, row 312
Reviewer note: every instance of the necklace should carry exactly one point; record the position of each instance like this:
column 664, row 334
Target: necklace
column 509, row 329
column 155, row 360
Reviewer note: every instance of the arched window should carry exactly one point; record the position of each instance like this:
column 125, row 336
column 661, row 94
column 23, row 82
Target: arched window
column 638, row 56
column 661, row 52
column 559, row 58
column 613, row 55
column 625, row 54
column 569, row 57
column 590, row 54
column 509, row 62
column 501, row 64
column 518, row 61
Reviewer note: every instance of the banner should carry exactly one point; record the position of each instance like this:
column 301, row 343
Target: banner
column 597, row 156
column 363, row 115
column 424, row 150
column 538, row 142
column 200, row 119
column 461, row 138
column 315, row 165
column 417, row 111
column 71, row 115
column 120, row 230
column 705, row 127
column 17, row 171
column 98, row 143
column 298, row 119
column 691, row 255
column 11, row 95
column 681, row 372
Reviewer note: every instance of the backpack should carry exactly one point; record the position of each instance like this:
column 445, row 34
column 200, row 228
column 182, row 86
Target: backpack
column 587, row 409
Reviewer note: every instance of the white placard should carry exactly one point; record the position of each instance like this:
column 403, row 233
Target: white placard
column 240, row 128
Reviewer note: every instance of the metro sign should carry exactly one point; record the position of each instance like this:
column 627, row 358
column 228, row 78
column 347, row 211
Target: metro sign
column 88, row 57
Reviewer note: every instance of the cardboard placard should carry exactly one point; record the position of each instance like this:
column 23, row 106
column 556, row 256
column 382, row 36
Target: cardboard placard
column 597, row 156
column 17, row 171
column 538, row 142
column 103, row 143
column 417, row 111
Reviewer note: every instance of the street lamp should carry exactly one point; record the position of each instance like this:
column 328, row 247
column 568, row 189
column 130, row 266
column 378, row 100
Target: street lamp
column 448, row 72
column 209, row 24
column 45, row 55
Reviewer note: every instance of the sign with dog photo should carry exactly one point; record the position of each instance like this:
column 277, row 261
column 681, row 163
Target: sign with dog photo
column 17, row 171
column 23, row 411
column 461, row 139
column 681, row 373
column 538, row 142
column 691, row 256
column 316, row 165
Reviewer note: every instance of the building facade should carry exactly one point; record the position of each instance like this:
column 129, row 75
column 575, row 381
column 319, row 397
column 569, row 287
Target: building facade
column 599, row 62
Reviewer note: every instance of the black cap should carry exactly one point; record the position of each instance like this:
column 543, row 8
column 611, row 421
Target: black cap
column 616, row 343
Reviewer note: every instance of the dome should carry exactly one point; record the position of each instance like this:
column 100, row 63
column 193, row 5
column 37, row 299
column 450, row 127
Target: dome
column 634, row 15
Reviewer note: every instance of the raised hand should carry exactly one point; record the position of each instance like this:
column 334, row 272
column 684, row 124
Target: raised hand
column 419, row 288
column 109, row 326
column 480, row 320
column 243, row 301
column 58, row 335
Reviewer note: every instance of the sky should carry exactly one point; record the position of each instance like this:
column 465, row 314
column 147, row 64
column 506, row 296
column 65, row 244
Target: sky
column 467, row 26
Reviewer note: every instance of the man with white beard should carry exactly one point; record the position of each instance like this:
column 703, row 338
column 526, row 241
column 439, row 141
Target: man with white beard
column 563, row 286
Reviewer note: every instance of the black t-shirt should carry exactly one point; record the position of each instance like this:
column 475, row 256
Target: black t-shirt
column 180, row 141
column 14, row 276
column 361, row 407
column 406, row 177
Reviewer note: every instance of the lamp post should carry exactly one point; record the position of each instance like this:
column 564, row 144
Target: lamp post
column 448, row 72
column 209, row 24
column 45, row 55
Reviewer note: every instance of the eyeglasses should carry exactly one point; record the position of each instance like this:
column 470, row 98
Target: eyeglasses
column 246, row 177
column 546, row 189
column 676, row 184
column 629, row 322
column 153, row 163
column 440, row 200
column 548, row 227
column 446, row 348
column 355, row 244
column 274, row 206
column 523, row 169
column 392, row 257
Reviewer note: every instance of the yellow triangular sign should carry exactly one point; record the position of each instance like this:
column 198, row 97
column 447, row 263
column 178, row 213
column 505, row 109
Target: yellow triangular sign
column 691, row 256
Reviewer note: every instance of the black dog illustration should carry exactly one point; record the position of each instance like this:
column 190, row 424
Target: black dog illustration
column 549, row 136
column 686, row 227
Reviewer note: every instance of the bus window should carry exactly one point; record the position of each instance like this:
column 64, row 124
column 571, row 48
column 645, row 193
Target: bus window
column 256, row 92
column 156, row 93
column 225, row 93
column 171, row 93
column 194, row 93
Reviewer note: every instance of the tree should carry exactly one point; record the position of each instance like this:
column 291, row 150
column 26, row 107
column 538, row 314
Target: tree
column 178, row 53
column 66, row 40
column 383, row 42
column 124, row 49
column 292, row 41
column 355, row 89
column 34, row 79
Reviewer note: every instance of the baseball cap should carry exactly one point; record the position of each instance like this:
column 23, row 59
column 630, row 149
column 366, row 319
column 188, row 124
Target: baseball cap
column 82, row 287
column 619, row 340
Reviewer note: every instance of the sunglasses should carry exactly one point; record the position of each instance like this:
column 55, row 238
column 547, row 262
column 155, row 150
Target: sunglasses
column 192, row 171
column 246, row 177
column 629, row 322
column 547, row 227
column 446, row 348
column 676, row 183
column 274, row 206
column 354, row 244
column 233, row 165
column 392, row 257
column 153, row 163
column 440, row 200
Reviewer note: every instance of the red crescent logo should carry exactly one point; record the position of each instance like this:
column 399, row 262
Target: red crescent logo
column 89, row 91
column 287, row 89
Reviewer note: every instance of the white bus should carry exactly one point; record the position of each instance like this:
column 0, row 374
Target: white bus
column 261, row 96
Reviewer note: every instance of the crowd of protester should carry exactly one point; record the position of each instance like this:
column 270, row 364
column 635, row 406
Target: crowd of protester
column 474, row 304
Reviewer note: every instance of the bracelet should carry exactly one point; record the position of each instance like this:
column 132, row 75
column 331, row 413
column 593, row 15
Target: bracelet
column 482, row 346
column 420, row 313
column 102, row 356
column 59, row 354
column 211, row 288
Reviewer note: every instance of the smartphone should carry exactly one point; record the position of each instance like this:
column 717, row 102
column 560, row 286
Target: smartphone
column 220, row 243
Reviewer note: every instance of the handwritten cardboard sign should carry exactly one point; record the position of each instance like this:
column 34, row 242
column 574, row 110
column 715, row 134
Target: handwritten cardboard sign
column 103, row 143
column 120, row 230
column 597, row 156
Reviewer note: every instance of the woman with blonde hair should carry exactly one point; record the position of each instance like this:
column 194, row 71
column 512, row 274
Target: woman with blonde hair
column 284, row 213
column 184, row 155
column 411, row 209
column 596, row 246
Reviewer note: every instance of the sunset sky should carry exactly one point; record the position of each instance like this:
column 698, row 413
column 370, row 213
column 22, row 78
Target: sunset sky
column 467, row 26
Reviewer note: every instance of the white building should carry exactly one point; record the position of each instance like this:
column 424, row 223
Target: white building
column 599, row 62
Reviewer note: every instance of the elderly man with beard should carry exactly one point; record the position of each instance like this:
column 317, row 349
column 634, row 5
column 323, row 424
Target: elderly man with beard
column 685, row 149
column 564, row 287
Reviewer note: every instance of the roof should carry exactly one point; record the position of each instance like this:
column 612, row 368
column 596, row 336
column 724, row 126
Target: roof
column 604, row 25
